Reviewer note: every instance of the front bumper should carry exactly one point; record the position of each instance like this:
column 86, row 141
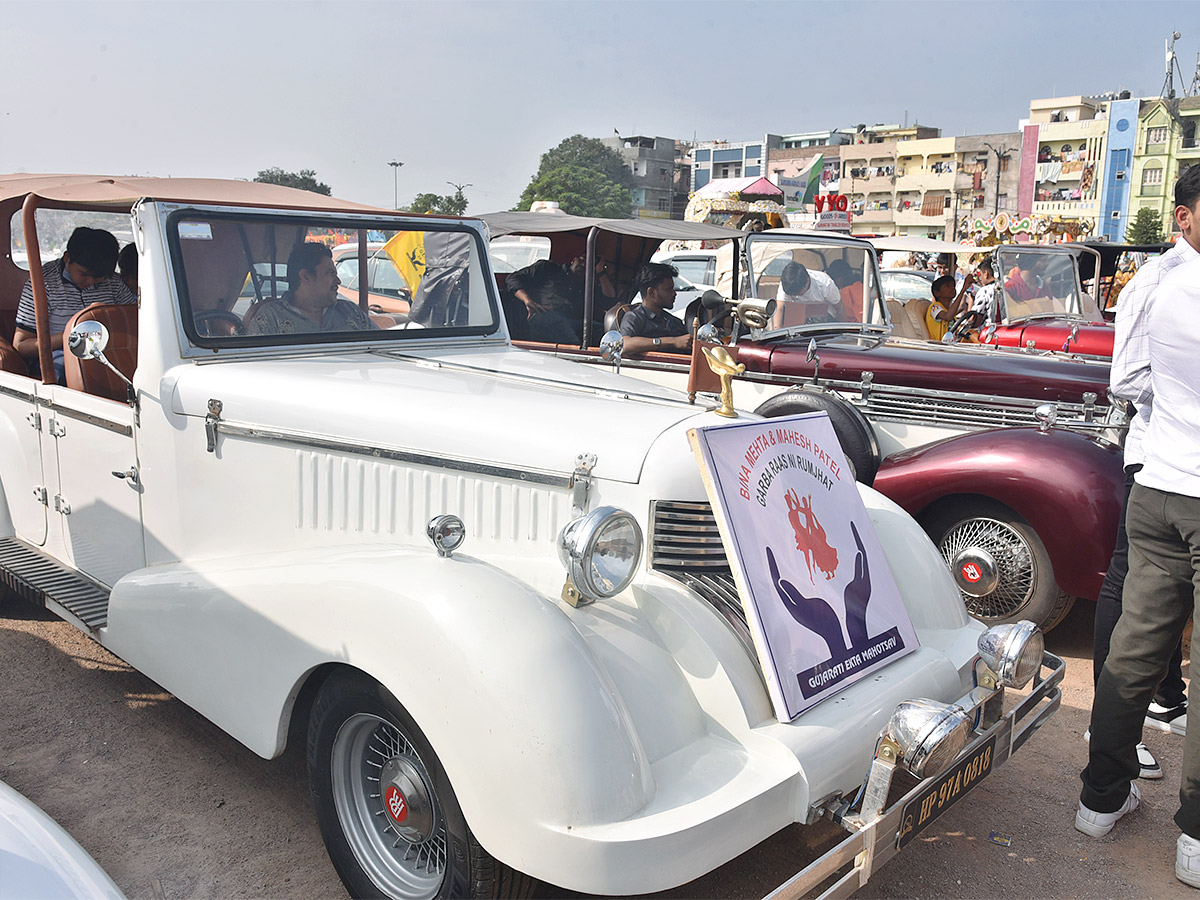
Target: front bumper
column 877, row 837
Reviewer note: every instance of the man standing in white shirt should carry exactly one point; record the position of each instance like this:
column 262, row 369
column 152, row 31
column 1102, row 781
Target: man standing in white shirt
column 1130, row 380
column 1163, row 586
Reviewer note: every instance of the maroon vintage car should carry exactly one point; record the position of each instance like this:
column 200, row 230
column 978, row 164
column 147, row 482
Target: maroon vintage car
column 1009, row 458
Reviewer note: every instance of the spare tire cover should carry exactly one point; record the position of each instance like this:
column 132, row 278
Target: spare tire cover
column 853, row 431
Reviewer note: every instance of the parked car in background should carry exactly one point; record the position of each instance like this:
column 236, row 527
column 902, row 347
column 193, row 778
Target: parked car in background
column 387, row 291
column 485, row 589
column 39, row 859
column 697, row 266
column 1010, row 460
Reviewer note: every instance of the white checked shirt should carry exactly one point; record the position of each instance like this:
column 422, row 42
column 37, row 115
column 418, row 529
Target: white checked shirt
column 1171, row 447
column 1129, row 376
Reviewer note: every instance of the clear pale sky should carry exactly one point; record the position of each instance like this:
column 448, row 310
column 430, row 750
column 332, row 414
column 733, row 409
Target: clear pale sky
column 475, row 92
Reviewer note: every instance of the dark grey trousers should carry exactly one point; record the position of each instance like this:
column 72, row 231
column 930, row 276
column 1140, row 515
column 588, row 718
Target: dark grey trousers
column 1161, row 591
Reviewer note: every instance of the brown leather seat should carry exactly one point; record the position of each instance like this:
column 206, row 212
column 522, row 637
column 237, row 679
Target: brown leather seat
column 10, row 359
column 92, row 376
column 612, row 318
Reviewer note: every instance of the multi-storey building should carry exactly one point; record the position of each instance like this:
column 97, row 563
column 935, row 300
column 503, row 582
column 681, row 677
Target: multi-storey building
column 652, row 162
column 725, row 159
column 1063, row 159
column 986, row 178
column 1166, row 145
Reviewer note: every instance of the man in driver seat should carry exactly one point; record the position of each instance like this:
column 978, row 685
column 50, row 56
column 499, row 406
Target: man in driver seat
column 311, row 303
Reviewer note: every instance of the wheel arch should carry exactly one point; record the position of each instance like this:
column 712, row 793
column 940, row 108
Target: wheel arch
column 1067, row 487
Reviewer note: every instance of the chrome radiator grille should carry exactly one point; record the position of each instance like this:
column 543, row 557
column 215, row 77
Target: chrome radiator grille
column 685, row 544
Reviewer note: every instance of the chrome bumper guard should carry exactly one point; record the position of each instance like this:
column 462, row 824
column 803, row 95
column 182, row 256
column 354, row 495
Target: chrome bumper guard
column 877, row 833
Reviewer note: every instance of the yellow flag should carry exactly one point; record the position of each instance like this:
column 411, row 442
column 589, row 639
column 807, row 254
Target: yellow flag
column 407, row 250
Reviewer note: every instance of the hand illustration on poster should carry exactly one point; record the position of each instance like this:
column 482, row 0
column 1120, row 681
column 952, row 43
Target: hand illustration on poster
column 819, row 596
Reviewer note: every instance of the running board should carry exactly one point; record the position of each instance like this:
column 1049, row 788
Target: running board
column 44, row 581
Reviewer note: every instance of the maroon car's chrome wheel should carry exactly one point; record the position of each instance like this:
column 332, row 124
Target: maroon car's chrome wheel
column 1003, row 559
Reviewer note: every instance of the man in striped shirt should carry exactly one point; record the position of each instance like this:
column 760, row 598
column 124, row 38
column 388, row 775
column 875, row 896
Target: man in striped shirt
column 82, row 277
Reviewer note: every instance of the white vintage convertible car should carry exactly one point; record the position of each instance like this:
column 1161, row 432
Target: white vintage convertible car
column 488, row 584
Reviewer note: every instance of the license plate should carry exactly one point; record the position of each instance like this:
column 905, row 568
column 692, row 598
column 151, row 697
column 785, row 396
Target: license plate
column 953, row 784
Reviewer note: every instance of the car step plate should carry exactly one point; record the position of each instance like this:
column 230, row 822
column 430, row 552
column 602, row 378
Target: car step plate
column 39, row 579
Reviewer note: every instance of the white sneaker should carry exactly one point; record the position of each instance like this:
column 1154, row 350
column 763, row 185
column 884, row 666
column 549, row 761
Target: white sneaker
column 1187, row 860
column 1150, row 769
column 1098, row 824
column 1172, row 720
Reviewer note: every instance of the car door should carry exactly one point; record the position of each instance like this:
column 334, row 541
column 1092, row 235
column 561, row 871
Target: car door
column 90, row 446
column 21, row 433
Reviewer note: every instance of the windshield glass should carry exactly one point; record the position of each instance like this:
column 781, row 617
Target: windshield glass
column 1042, row 282
column 814, row 282
column 258, row 280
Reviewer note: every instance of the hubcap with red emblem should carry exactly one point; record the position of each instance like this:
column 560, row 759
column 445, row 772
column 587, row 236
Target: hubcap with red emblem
column 388, row 808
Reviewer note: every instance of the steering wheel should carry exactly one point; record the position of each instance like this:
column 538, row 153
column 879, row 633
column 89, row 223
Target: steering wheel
column 209, row 321
column 964, row 322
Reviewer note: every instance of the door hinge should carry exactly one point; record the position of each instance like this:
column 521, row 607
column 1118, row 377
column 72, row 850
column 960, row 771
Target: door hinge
column 40, row 495
column 61, row 505
column 35, row 420
column 581, row 480
column 57, row 428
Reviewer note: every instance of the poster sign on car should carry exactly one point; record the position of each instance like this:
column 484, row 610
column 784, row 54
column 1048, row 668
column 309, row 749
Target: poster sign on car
column 819, row 595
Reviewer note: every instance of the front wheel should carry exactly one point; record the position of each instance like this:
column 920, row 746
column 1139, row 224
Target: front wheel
column 999, row 563
column 387, row 812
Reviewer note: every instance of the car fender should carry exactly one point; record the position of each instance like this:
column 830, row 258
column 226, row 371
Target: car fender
column 1067, row 486
column 482, row 661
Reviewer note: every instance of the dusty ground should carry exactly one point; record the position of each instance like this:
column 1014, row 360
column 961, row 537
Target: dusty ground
column 173, row 808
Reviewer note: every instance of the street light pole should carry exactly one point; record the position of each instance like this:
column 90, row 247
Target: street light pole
column 395, row 183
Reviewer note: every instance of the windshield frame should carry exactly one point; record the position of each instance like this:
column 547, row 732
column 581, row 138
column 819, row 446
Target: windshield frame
column 1082, row 306
column 192, row 344
column 875, row 313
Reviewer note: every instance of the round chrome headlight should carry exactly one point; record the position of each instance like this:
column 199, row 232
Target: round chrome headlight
column 1013, row 652
column 930, row 734
column 601, row 551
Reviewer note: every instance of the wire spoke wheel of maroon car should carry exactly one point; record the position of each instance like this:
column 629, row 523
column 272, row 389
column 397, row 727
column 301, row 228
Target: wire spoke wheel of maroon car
column 390, row 819
column 1000, row 566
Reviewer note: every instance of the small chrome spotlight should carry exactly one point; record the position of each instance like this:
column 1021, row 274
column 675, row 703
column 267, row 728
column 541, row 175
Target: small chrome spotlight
column 929, row 735
column 446, row 533
column 1013, row 652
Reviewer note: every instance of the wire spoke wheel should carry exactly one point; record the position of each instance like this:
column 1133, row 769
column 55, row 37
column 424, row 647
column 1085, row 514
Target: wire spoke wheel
column 1015, row 564
column 387, row 807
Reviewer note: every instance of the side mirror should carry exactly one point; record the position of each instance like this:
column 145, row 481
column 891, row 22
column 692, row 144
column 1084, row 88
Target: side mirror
column 87, row 340
column 611, row 346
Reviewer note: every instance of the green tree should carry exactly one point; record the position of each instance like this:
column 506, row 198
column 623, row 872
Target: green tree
column 1146, row 227
column 441, row 204
column 584, row 176
column 305, row 179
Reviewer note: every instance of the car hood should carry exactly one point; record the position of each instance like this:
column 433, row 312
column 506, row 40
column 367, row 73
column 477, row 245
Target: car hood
column 505, row 406
column 969, row 369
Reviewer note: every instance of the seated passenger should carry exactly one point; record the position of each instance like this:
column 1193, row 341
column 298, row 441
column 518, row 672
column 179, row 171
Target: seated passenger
column 850, row 287
column 82, row 277
column 822, row 299
column 1023, row 282
column 545, row 290
column 127, row 266
column 946, row 305
column 311, row 303
column 648, row 326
